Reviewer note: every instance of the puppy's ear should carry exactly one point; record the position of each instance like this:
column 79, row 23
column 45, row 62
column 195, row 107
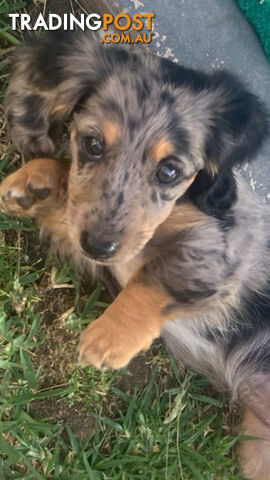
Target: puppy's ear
column 235, row 127
column 236, row 131
column 51, row 76
column 237, row 124
column 214, row 195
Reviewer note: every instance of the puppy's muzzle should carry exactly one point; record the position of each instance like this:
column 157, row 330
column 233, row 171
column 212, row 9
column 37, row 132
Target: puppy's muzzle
column 98, row 248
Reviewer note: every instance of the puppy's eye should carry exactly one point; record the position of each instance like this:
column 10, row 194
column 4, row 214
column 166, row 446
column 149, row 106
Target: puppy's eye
column 167, row 173
column 93, row 146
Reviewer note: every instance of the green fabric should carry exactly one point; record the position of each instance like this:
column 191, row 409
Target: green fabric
column 258, row 14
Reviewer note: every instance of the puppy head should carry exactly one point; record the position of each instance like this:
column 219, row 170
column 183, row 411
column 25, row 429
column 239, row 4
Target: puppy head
column 144, row 139
column 145, row 132
column 133, row 157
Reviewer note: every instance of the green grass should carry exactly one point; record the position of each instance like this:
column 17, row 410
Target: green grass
column 6, row 32
column 61, row 422
column 168, row 429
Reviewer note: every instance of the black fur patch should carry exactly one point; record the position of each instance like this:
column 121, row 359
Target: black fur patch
column 132, row 124
column 179, row 76
column 179, row 135
column 120, row 56
column 32, row 118
column 142, row 90
column 190, row 296
column 47, row 66
column 252, row 318
column 214, row 195
column 167, row 98
column 120, row 199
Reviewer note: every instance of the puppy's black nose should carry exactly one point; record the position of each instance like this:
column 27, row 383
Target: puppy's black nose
column 97, row 248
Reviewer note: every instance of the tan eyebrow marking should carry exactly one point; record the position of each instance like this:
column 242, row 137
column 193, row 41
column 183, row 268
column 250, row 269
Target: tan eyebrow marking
column 111, row 131
column 162, row 149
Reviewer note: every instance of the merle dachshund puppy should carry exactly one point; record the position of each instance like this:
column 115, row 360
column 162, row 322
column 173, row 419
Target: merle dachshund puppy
column 152, row 195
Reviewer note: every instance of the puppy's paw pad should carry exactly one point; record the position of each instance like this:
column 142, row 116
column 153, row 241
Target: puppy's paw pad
column 25, row 202
column 35, row 186
column 106, row 344
column 14, row 200
column 40, row 192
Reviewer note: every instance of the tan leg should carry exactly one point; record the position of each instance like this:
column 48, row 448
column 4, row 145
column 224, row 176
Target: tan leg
column 255, row 453
column 129, row 325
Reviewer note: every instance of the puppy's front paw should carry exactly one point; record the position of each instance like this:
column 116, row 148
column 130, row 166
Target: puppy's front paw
column 33, row 188
column 107, row 343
